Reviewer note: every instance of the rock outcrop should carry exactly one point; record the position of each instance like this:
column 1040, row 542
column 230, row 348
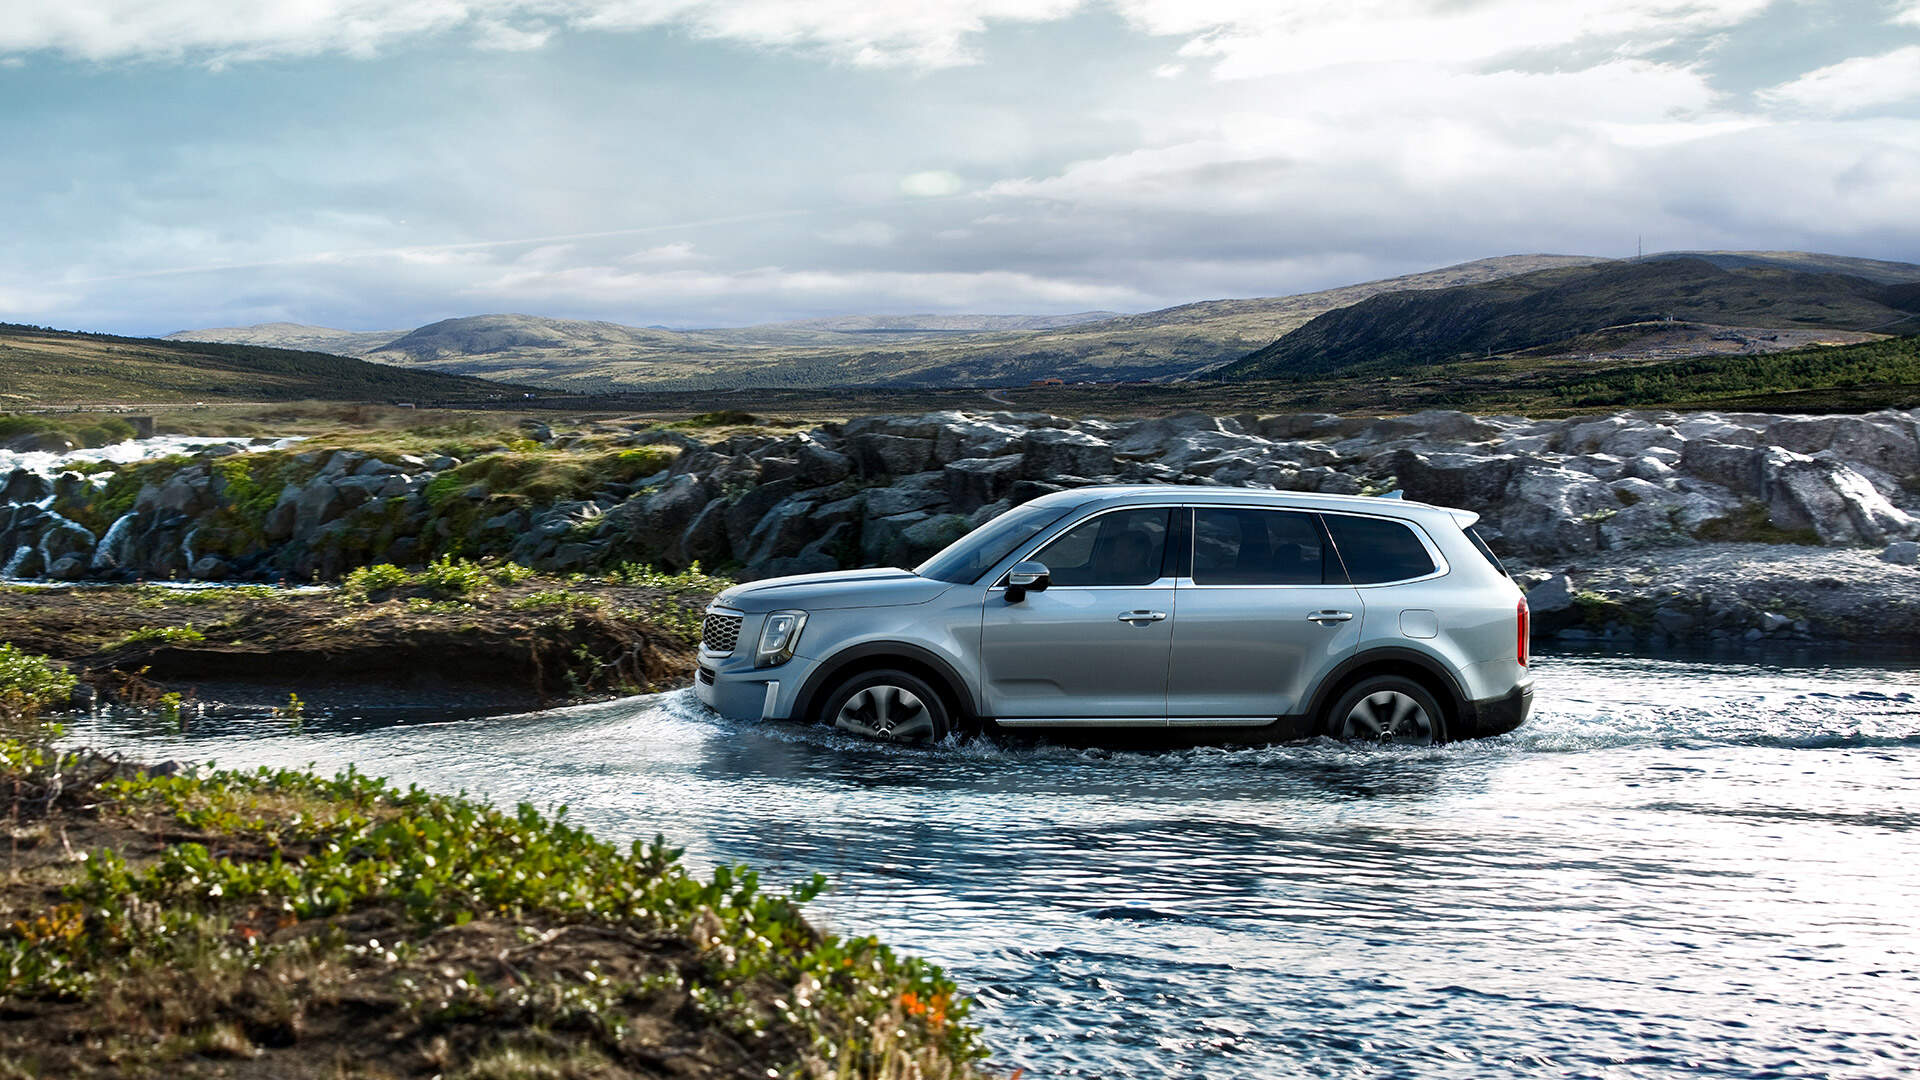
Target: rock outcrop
column 893, row 489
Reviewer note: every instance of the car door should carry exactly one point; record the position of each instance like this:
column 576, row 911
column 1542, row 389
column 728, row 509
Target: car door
column 1264, row 609
column 1092, row 647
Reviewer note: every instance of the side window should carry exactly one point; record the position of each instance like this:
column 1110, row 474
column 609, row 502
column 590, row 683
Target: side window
column 1378, row 550
column 1257, row 547
column 1121, row 548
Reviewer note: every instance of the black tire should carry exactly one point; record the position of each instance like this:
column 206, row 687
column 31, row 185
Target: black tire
column 1375, row 709
column 890, row 705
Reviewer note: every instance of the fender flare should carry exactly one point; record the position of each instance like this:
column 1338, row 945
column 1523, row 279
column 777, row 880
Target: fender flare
column 1463, row 711
column 829, row 670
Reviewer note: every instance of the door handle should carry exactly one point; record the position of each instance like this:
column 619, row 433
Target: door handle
column 1142, row 616
column 1325, row 617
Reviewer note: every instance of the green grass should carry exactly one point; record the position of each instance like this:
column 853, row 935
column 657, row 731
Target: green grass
column 302, row 850
column 29, row 684
column 445, row 578
column 39, row 365
column 1892, row 363
column 91, row 431
column 170, row 635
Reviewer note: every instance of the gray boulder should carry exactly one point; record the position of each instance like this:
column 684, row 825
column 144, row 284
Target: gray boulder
column 1825, row 495
column 917, row 492
column 318, row 504
column 1552, row 595
column 1902, row 553
column 25, row 487
column 975, row 482
column 1551, row 512
column 1052, row 452
column 877, row 454
column 1469, row 481
column 68, row 568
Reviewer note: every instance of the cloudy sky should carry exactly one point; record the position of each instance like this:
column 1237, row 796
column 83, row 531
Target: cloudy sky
column 373, row 164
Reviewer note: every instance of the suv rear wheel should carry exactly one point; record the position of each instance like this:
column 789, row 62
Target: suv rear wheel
column 889, row 704
column 1387, row 708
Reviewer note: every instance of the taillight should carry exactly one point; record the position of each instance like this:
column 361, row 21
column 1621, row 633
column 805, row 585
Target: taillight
column 1520, row 626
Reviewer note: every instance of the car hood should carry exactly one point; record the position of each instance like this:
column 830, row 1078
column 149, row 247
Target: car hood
column 883, row 587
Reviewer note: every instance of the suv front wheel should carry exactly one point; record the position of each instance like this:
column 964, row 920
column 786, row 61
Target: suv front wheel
column 888, row 704
column 1387, row 708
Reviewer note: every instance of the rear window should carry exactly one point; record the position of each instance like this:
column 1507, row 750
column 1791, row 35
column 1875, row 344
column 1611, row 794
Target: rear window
column 1377, row 550
column 1480, row 545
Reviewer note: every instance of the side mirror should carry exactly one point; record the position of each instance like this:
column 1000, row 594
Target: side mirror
column 1027, row 577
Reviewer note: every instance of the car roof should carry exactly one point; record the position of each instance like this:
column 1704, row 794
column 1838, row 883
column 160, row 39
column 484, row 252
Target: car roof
column 1120, row 494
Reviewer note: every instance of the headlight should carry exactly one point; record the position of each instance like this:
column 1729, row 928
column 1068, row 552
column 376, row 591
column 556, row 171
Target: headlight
column 779, row 636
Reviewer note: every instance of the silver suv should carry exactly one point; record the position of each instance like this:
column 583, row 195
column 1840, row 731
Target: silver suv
column 1146, row 607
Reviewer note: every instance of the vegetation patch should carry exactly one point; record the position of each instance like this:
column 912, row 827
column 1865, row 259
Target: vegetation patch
column 317, row 927
column 167, row 635
column 85, row 431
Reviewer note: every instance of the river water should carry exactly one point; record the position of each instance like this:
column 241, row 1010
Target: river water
column 1677, row 868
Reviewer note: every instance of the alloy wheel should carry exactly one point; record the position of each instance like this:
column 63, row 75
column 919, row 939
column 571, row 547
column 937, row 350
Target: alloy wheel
column 886, row 711
column 1388, row 716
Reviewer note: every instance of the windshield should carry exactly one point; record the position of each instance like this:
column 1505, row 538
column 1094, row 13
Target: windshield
column 963, row 561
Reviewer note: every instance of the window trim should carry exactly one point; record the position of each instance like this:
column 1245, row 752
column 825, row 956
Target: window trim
column 1441, row 567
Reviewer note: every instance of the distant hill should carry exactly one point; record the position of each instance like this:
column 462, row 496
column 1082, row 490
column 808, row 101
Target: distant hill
column 869, row 350
column 286, row 335
column 1577, row 306
column 39, row 366
column 1880, row 270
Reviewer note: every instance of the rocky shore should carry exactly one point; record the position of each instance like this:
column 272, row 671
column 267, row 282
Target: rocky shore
column 1583, row 498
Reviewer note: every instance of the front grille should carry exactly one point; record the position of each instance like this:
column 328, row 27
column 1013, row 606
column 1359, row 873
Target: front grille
column 721, row 633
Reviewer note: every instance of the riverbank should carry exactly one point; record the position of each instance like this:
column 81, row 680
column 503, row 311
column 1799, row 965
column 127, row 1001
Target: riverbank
column 167, row 922
column 490, row 637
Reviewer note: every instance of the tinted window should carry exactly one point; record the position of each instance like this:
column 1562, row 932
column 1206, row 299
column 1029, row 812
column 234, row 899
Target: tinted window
column 1480, row 545
column 1377, row 550
column 1120, row 548
column 963, row 561
column 1257, row 547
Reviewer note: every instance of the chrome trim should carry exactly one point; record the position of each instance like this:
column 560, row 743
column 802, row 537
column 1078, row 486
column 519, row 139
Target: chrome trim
column 772, row 698
column 1219, row 721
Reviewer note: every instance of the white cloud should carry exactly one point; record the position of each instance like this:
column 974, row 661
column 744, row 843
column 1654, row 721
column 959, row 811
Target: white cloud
column 1248, row 38
column 678, row 252
column 873, row 234
column 1909, row 16
column 1242, row 37
column 1863, row 82
column 506, row 37
column 931, row 185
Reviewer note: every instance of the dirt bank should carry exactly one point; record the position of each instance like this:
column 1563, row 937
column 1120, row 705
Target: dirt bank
column 505, row 645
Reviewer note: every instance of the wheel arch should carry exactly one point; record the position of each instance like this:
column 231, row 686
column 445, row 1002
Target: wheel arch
column 1391, row 660
column 872, row 655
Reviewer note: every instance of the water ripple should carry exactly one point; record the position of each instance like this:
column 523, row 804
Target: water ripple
column 1675, row 868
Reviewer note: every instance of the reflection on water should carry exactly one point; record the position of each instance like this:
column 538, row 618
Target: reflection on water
column 1676, row 868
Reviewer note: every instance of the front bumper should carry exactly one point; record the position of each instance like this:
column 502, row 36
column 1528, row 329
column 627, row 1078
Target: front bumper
column 749, row 693
column 1497, row 716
